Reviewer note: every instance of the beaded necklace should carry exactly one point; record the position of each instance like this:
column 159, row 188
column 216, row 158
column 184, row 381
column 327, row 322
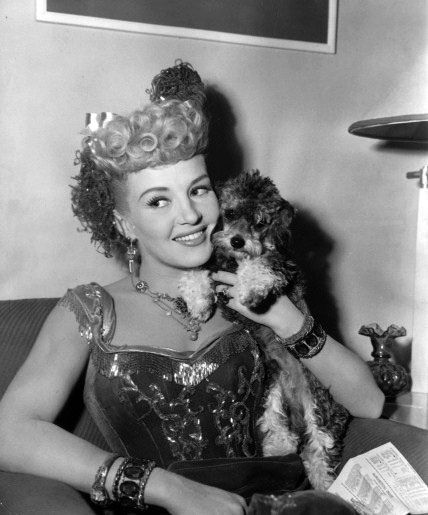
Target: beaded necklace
column 174, row 307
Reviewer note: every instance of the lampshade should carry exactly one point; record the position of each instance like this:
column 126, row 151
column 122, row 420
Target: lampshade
column 407, row 128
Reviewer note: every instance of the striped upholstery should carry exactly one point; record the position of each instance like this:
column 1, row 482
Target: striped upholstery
column 20, row 323
column 366, row 434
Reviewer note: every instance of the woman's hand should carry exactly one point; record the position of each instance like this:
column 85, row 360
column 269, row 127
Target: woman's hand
column 182, row 496
column 283, row 317
column 340, row 370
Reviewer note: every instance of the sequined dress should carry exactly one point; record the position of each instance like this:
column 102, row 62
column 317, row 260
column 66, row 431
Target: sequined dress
column 168, row 405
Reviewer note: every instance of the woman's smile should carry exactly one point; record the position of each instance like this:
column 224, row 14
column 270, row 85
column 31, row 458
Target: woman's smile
column 192, row 239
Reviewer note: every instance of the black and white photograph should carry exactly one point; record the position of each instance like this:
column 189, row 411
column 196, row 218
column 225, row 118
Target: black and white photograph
column 214, row 257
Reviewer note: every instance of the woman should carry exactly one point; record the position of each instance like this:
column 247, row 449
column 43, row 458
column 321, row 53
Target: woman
column 144, row 193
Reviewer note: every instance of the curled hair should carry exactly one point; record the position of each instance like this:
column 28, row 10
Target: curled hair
column 182, row 82
column 93, row 202
column 162, row 133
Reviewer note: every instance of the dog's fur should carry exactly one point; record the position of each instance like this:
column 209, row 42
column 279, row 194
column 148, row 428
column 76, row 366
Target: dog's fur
column 299, row 415
column 254, row 240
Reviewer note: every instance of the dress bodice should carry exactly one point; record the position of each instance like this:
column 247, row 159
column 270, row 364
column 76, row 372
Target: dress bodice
column 167, row 405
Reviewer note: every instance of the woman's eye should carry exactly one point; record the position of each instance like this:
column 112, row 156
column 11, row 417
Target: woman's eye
column 200, row 190
column 157, row 202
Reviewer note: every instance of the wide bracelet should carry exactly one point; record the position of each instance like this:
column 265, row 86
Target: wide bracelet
column 308, row 346
column 130, row 482
column 99, row 493
column 308, row 324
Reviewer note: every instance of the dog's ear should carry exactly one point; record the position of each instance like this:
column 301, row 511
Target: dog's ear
column 287, row 213
column 280, row 231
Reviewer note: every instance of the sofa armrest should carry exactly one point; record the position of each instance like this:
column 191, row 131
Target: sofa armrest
column 366, row 434
column 20, row 323
column 25, row 494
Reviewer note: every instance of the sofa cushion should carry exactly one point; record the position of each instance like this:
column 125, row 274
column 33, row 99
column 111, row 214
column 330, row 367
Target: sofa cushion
column 24, row 494
column 20, row 324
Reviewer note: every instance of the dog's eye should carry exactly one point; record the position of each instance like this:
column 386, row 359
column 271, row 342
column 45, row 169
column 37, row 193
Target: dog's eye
column 229, row 213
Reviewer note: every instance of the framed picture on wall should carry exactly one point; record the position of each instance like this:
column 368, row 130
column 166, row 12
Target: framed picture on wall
column 291, row 24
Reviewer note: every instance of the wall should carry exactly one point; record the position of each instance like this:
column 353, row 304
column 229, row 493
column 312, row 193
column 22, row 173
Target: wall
column 292, row 110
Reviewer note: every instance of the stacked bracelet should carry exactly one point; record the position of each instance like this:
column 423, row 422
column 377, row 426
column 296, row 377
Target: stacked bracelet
column 130, row 482
column 308, row 324
column 99, row 493
column 306, row 346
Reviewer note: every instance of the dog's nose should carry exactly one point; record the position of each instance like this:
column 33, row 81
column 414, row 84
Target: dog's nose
column 237, row 242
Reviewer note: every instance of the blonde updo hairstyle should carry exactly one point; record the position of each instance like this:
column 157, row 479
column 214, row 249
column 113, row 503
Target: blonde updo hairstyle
column 161, row 133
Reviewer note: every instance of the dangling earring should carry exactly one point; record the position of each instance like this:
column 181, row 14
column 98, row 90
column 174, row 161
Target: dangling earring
column 131, row 252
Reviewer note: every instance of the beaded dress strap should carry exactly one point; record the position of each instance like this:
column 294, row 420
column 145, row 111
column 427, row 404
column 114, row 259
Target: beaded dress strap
column 94, row 310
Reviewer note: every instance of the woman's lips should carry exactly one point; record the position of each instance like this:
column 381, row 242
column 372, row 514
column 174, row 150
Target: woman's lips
column 191, row 240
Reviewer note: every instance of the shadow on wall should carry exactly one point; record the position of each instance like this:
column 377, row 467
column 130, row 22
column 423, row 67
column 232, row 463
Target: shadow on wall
column 224, row 153
column 313, row 248
column 400, row 146
column 402, row 355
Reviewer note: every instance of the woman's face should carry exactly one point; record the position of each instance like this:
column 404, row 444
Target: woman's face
column 172, row 211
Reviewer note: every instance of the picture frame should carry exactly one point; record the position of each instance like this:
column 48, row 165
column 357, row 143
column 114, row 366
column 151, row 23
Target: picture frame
column 308, row 25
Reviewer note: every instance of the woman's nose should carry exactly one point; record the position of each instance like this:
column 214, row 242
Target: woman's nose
column 189, row 214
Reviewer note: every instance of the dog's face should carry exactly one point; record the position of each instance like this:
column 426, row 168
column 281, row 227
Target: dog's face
column 254, row 216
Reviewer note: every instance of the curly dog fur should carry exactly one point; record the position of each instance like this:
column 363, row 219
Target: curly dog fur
column 253, row 241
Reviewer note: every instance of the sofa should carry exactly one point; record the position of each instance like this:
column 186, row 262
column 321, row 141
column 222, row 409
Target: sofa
column 22, row 494
column 20, row 323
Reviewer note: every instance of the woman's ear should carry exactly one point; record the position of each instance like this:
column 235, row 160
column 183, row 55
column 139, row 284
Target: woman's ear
column 124, row 226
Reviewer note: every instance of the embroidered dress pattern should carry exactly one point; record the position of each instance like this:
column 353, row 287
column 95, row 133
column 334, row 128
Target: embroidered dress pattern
column 191, row 375
column 166, row 405
column 183, row 416
column 231, row 412
column 180, row 424
column 85, row 302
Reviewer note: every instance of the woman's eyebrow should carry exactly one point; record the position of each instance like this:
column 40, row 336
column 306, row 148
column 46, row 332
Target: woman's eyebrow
column 203, row 176
column 156, row 188
column 164, row 188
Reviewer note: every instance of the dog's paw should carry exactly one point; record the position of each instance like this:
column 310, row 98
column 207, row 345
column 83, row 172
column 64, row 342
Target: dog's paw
column 252, row 298
column 196, row 288
column 255, row 281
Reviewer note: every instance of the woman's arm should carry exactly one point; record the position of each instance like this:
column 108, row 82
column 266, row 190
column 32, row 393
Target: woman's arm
column 182, row 496
column 347, row 376
column 31, row 443
column 29, row 440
